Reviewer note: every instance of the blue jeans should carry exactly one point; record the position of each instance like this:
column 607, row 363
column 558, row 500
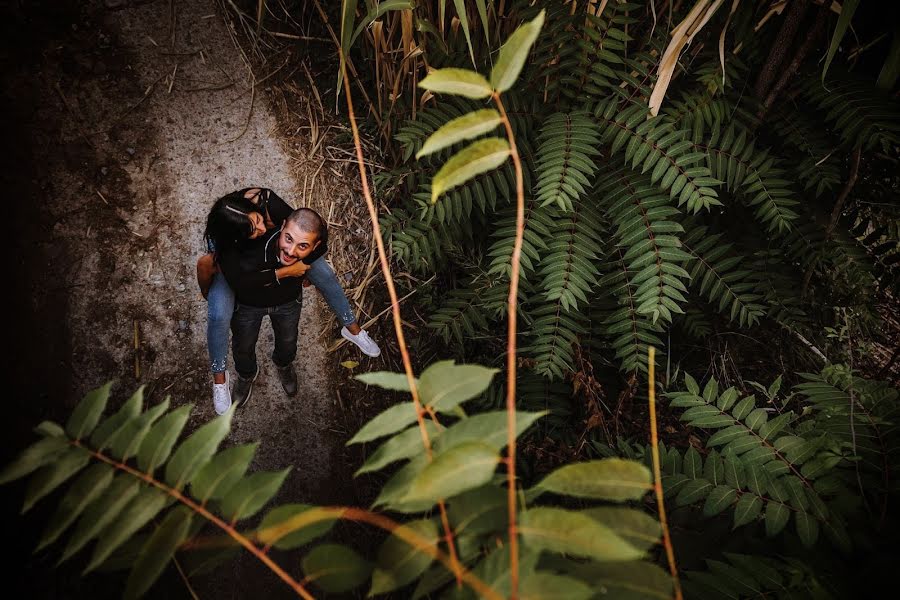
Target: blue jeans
column 245, row 324
column 221, row 308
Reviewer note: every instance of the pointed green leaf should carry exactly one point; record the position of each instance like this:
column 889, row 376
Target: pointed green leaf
column 459, row 82
column 196, row 450
column 386, row 380
column 156, row 553
column 547, row 586
column 445, row 385
column 464, row 25
column 107, row 430
column 720, row 498
column 335, row 568
column 807, row 528
column 88, row 487
column 460, row 468
column 158, row 444
column 142, row 508
column 848, row 7
column 475, row 159
column 466, row 127
column 569, row 532
column 101, row 512
column 514, row 53
column 220, row 474
column 49, row 429
column 399, row 563
column 612, row 479
column 487, row 428
column 403, row 445
column 385, row 423
column 51, row 476
column 85, row 416
column 250, row 494
column 635, row 527
column 777, row 515
column 129, row 439
column 34, row 457
column 298, row 537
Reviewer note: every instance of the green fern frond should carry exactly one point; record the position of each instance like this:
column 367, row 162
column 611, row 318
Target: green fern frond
column 656, row 147
column 627, row 331
column 818, row 166
column 461, row 315
column 746, row 576
column 551, row 335
column 695, row 323
column 565, row 158
column 540, row 221
column 752, row 174
column 569, row 266
column 717, row 273
column 863, row 115
column 649, row 241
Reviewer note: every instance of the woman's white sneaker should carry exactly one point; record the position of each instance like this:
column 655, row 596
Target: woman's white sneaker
column 221, row 396
column 362, row 339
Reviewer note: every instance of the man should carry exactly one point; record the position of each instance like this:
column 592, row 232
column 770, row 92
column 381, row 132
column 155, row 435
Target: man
column 266, row 277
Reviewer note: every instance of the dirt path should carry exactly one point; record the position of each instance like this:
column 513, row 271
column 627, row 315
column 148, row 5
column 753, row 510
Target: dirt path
column 138, row 118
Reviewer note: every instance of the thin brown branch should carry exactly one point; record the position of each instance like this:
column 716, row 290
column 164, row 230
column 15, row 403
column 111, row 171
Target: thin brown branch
column 657, row 475
column 780, row 47
column 395, row 306
column 511, row 356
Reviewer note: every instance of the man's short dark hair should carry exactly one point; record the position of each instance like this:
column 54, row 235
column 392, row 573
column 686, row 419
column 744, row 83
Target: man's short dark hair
column 308, row 220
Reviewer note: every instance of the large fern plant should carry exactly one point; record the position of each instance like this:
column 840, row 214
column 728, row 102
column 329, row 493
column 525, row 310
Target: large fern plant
column 636, row 222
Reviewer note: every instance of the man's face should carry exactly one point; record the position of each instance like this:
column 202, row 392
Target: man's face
column 295, row 244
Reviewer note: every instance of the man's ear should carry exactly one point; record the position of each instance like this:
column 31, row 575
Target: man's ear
column 316, row 245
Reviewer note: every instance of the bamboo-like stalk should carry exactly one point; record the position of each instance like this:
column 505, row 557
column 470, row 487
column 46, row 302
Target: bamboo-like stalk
column 511, row 356
column 395, row 310
column 200, row 510
column 657, row 476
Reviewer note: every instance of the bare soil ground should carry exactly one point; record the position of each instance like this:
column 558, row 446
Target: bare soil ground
column 126, row 119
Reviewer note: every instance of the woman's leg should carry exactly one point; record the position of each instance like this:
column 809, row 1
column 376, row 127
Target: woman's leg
column 321, row 275
column 221, row 307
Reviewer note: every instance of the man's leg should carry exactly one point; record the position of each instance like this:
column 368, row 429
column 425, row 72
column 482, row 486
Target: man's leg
column 245, row 324
column 285, row 320
column 321, row 275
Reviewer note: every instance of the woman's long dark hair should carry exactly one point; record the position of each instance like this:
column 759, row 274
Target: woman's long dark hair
column 227, row 223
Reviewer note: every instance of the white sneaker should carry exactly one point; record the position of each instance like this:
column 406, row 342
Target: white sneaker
column 221, row 396
column 362, row 339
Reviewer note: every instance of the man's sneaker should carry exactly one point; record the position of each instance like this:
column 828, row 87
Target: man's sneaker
column 288, row 378
column 362, row 339
column 221, row 396
column 243, row 389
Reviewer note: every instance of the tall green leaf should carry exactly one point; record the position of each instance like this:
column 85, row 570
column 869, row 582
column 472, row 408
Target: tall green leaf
column 51, row 476
column 848, row 7
column 297, row 537
column 34, row 457
column 466, row 127
column 85, row 416
column 220, row 474
column 458, row 82
column 158, row 444
column 101, row 513
column 157, row 551
column 612, row 479
column 514, row 52
column 476, row 158
column 389, row 421
column 196, row 450
column 87, row 488
column 399, row 563
column 142, row 508
column 569, row 532
column 335, row 568
column 460, row 468
column 250, row 494
column 445, row 385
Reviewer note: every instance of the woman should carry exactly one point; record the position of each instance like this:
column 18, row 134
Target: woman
column 234, row 219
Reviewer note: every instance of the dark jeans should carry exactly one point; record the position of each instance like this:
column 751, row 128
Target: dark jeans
column 245, row 324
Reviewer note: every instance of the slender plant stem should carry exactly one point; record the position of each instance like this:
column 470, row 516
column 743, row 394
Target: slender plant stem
column 511, row 356
column 200, row 510
column 395, row 309
column 657, row 476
